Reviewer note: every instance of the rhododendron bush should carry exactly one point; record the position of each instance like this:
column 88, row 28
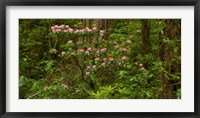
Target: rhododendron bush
column 122, row 59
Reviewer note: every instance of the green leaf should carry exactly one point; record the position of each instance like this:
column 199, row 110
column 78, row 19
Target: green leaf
column 133, row 78
column 69, row 49
column 129, row 66
column 61, row 78
column 162, row 32
column 92, row 78
column 50, row 63
column 52, row 50
column 148, row 94
column 35, row 86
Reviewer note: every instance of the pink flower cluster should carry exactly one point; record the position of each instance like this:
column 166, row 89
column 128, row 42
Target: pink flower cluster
column 128, row 41
column 63, row 53
column 111, row 59
column 58, row 28
column 97, row 58
column 103, row 49
column 116, row 46
column 67, row 28
column 124, row 57
column 142, row 67
column 103, row 63
column 72, row 53
column 101, row 32
column 87, row 73
column 94, row 28
column 70, row 41
column 94, row 66
column 88, row 67
column 88, row 50
column 80, row 50
column 124, row 49
column 64, row 85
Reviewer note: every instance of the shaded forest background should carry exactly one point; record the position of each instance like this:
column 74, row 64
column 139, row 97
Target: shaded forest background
column 100, row 58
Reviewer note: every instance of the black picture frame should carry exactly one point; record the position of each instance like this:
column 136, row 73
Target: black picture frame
column 5, row 3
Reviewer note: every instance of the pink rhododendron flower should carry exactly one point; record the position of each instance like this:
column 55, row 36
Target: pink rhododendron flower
column 63, row 53
column 145, row 73
column 58, row 30
column 141, row 65
column 88, row 67
column 61, row 26
column 87, row 73
column 87, row 52
column 94, row 66
column 101, row 34
column 115, row 42
column 94, row 49
column 64, row 30
column 89, row 48
column 111, row 59
column 82, row 30
column 53, row 30
column 97, row 51
column 96, row 58
column 94, row 28
column 101, row 31
column 77, row 31
column 72, row 53
column 116, row 46
column 104, row 59
column 52, row 27
column 56, row 26
column 124, row 49
column 124, row 57
column 71, row 30
column 70, row 41
column 64, row 85
column 103, row 49
column 103, row 64
column 128, row 41
column 80, row 50
column 89, row 30
column 67, row 26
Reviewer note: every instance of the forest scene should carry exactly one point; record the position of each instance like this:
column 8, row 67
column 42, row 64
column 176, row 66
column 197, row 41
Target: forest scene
column 99, row 58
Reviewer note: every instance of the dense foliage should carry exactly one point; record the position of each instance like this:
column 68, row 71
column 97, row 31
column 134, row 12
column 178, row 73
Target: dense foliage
column 100, row 59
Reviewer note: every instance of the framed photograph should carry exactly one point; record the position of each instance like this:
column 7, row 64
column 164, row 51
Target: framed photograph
column 86, row 58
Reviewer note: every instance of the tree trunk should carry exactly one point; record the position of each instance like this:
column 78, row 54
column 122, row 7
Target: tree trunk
column 146, row 43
